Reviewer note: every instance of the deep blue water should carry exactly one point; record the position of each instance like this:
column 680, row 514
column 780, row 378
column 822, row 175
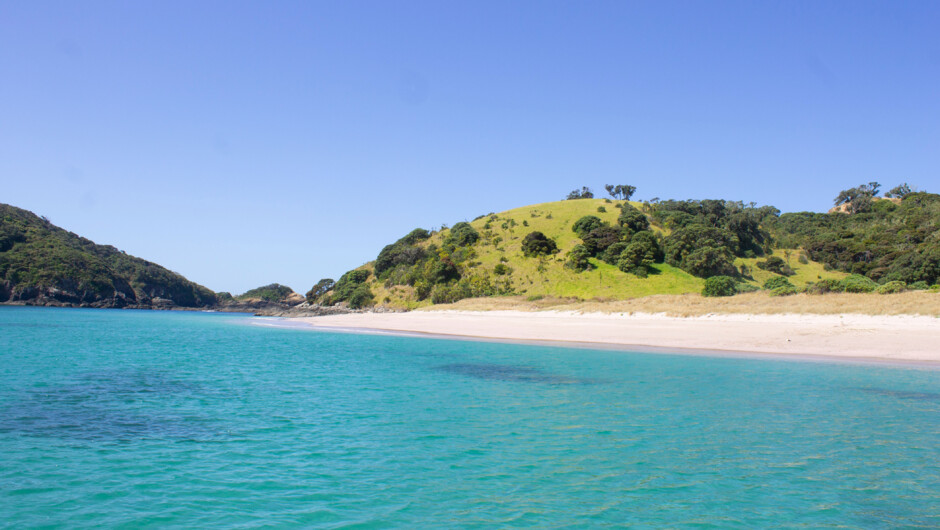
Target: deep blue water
column 172, row 419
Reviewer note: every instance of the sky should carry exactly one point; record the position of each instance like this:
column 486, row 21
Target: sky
column 245, row 143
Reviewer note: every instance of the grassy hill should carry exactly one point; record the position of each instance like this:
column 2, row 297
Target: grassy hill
column 496, row 260
column 42, row 263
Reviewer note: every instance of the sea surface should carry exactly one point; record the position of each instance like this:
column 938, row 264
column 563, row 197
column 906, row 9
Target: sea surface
column 141, row 419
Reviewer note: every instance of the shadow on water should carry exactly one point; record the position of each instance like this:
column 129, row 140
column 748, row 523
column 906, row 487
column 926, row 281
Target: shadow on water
column 108, row 406
column 519, row 374
column 902, row 394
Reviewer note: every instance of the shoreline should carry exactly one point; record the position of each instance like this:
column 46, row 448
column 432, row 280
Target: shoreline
column 906, row 340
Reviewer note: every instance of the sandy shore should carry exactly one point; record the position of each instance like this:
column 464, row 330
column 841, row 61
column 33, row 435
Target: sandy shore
column 892, row 338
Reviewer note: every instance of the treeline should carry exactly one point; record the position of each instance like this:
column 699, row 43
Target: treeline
column 41, row 260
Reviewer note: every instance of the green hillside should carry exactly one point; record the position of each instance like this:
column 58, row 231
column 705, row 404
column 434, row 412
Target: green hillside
column 488, row 259
column 42, row 263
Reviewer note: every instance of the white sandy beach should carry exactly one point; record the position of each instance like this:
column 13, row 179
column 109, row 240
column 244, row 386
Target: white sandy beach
column 892, row 338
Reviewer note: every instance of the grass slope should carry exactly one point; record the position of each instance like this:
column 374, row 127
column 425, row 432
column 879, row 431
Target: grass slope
column 502, row 235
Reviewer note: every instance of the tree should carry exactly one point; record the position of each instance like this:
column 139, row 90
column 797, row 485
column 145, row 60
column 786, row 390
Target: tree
column 584, row 193
column 899, row 192
column 321, row 288
column 858, row 199
column 637, row 258
column 536, row 244
column 620, row 191
column 584, row 225
column 578, row 259
column 719, row 286
column 632, row 219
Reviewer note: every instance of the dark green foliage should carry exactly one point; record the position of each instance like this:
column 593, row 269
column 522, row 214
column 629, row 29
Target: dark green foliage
column 536, row 244
column 578, row 259
column 900, row 244
column 701, row 251
column 361, row 297
column 775, row 265
column 777, row 281
column 918, row 286
column 348, row 283
column 38, row 257
column 784, row 290
column 637, row 258
column 858, row 199
column 321, row 288
column 397, row 254
column 584, row 193
column 648, row 238
column 501, row 269
column 620, row 191
column 824, row 286
column 891, row 288
column 601, row 209
column 899, row 192
column 719, row 286
column 461, row 235
column 600, row 238
column 612, row 254
column 224, row 296
column 274, row 292
column 857, row 283
column 743, row 222
column 584, row 225
column 632, row 220
column 443, row 271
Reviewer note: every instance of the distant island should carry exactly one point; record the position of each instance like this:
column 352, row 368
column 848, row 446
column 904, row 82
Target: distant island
column 580, row 248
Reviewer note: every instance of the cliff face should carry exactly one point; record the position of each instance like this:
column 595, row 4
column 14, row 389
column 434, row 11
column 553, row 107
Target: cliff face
column 42, row 264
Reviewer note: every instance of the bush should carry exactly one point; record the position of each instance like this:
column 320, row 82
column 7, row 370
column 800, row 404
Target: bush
column 777, row 282
column 784, row 290
column 719, row 286
column 636, row 258
column 348, row 283
column 536, row 244
column 502, row 269
column 361, row 297
column 321, row 288
column 601, row 209
column 612, row 254
column 823, row 287
column 856, row 283
column 462, row 235
column 578, row 259
column 632, row 219
column 891, row 288
column 918, row 286
column 584, row 225
column 776, row 265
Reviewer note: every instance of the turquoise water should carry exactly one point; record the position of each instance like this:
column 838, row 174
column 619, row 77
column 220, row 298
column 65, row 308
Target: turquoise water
column 171, row 419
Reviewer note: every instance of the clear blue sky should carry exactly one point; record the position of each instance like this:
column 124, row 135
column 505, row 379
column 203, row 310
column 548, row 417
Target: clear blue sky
column 243, row 143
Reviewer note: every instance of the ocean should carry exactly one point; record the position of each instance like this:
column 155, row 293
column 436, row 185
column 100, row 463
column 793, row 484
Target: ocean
column 140, row 419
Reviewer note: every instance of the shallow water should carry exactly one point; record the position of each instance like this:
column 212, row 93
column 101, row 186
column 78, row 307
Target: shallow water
column 171, row 419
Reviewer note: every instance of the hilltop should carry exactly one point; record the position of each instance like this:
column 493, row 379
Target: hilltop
column 41, row 263
column 607, row 249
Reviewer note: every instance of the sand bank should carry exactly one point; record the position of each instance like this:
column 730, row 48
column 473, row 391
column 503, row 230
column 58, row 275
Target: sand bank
column 893, row 338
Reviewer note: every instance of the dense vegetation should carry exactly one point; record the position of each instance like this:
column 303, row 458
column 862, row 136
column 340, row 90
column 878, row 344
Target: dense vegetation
column 274, row 292
column 39, row 259
column 590, row 248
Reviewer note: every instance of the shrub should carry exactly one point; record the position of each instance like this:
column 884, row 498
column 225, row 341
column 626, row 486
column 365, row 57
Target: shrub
column 777, row 282
column 891, row 288
column 824, row 286
column 784, row 290
column 600, row 238
column 601, row 209
column 502, row 269
column 776, row 265
column 918, row 286
column 856, row 283
column 632, row 219
column 578, row 259
column 361, row 297
column 348, row 283
column 321, row 288
column 612, row 254
column 536, row 244
column 803, row 259
column 422, row 289
column 584, row 225
column 719, row 286
column 636, row 258
column 462, row 234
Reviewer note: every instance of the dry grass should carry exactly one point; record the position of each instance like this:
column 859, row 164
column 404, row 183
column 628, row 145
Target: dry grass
column 909, row 303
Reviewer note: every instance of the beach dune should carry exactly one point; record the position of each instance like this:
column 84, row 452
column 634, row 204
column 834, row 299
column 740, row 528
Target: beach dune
column 887, row 338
